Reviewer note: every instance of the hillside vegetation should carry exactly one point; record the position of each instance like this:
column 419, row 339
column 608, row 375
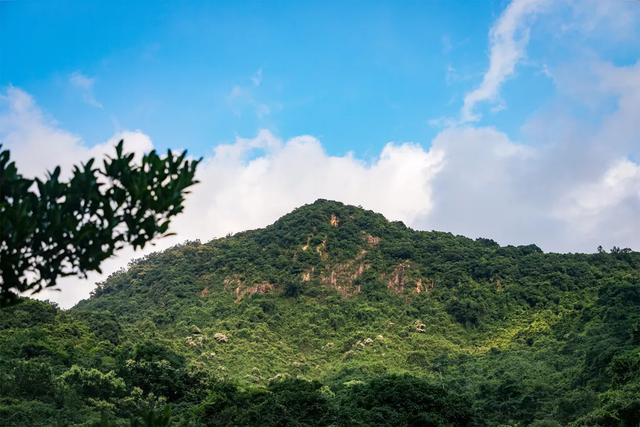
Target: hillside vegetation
column 335, row 316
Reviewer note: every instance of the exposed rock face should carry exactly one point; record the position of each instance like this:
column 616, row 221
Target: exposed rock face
column 372, row 240
column 363, row 343
column 306, row 275
column 194, row 341
column 397, row 279
column 204, row 293
column 402, row 278
column 424, row 286
column 231, row 282
column 241, row 290
column 321, row 249
column 341, row 276
column 220, row 337
column 419, row 326
column 259, row 288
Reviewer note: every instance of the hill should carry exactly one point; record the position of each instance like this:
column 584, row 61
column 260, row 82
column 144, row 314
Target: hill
column 335, row 316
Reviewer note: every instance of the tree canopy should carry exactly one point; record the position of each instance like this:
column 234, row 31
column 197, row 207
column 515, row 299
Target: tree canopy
column 54, row 227
column 333, row 316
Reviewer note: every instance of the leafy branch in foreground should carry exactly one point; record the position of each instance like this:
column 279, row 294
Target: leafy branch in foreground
column 54, row 228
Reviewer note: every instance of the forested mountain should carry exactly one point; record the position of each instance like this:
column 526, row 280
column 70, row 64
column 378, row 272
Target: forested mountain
column 335, row 316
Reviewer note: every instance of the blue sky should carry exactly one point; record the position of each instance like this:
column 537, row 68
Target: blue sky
column 515, row 120
column 355, row 74
column 194, row 74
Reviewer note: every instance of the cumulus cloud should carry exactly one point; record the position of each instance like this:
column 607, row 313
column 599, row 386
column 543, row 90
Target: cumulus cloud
column 564, row 196
column 84, row 84
column 252, row 182
column 612, row 197
column 38, row 145
column 571, row 183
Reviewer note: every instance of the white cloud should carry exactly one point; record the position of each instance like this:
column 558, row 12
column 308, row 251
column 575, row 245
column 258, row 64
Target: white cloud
column 240, row 190
column 618, row 185
column 508, row 39
column 38, row 145
column 35, row 141
column 616, row 20
column 575, row 185
column 85, row 85
column 565, row 196
column 580, row 24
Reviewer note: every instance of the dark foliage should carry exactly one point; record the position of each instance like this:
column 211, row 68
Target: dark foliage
column 333, row 316
column 52, row 228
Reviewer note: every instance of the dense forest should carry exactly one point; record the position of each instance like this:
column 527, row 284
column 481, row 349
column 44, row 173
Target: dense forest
column 334, row 316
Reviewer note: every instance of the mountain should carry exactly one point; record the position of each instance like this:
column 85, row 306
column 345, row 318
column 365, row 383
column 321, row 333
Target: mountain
column 335, row 316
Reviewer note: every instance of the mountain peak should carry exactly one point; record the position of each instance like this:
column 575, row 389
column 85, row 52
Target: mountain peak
column 326, row 214
column 337, row 293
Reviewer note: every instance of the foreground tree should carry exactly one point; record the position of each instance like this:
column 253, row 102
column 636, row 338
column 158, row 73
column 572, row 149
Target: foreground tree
column 52, row 228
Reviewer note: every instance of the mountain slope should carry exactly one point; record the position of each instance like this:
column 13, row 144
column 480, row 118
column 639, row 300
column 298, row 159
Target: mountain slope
column 338, row 295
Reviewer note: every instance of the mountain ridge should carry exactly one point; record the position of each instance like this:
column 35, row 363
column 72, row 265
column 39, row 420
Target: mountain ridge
column 340, row 237
column 352, row 320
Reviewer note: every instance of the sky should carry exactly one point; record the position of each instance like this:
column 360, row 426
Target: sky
column 512, row 120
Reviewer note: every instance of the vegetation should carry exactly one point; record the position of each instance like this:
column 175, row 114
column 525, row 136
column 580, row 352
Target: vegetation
column 54, row 228
column 335, row 316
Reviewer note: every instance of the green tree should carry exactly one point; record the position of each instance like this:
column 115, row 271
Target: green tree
column 52, row 228
column 93, row 383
